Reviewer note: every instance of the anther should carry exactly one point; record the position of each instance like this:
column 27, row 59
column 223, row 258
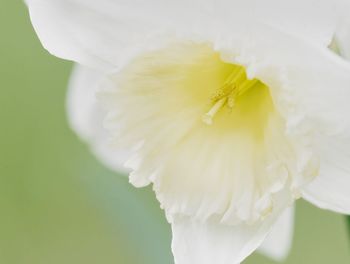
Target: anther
column 234, row 86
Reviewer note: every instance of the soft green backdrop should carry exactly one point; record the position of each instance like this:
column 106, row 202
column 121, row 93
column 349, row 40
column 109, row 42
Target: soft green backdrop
column 59, row 205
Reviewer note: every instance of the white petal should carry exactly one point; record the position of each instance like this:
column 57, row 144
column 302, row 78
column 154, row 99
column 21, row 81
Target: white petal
column 278, row 243
column 323, row 93
column 331, row 189
column 86, row 116
column 211, row 242
column 102, row 33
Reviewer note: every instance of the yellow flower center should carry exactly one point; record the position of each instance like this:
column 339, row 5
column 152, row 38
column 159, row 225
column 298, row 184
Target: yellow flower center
column 235, row 85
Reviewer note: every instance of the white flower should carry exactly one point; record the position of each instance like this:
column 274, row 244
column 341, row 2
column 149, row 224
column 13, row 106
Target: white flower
column 231, row 109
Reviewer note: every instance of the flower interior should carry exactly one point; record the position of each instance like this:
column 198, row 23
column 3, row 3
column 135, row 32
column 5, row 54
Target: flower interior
column 208, row 137
column 235, row 93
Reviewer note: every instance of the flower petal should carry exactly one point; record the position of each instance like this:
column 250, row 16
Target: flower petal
column 85, row 116
column 197, row 242
column 103, row 33
column 330, row 190
column 278, row 243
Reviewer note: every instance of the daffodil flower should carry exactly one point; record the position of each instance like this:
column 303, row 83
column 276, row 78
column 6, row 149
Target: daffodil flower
column 231, row 109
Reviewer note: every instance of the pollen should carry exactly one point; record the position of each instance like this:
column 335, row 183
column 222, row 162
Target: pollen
column 235, row 85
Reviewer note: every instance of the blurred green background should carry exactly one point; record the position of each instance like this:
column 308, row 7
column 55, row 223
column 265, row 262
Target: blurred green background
column 59, row 205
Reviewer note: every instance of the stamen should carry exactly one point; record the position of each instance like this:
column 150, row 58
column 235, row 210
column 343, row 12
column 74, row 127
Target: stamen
column 235, row 85
column 208, row 117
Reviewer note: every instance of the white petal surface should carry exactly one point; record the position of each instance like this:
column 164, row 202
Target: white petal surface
column 211, row 241
column 278, row 243
column 86, row 116
column 103, row 33
column 331, row 190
